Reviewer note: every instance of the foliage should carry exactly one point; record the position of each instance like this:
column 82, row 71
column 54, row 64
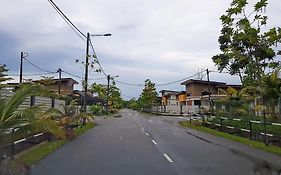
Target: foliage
column 255, row 144
column 133, row 104
column 96, row 109
column 25, row 119
column 149, row 95
column 236, row 103
column 114, row 94
column 3, row 75
column 46, row 81
column 247, row 48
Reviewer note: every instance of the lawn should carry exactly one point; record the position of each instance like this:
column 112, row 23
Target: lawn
column 36, row 153
column 255, row 144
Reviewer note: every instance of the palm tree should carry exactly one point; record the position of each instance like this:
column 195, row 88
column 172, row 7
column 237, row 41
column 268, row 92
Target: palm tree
column 269, row 90
column 26, row 120
column 236, row 101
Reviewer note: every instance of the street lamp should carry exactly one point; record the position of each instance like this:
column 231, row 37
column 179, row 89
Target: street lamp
column 84, row 109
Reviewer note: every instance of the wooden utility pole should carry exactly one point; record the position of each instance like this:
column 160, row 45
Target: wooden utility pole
column 59, row 71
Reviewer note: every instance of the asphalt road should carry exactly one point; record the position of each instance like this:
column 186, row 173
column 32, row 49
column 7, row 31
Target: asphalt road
column 135, row 144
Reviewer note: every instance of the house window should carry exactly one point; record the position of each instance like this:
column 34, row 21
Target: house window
column 197, row 102
column 177, row 103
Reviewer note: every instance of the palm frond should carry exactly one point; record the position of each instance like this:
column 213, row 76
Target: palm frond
column 38, row 126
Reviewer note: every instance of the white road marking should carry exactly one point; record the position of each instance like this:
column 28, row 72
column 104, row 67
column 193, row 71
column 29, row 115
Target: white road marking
column 147, row 133
column 168, row 158
column 153, row 141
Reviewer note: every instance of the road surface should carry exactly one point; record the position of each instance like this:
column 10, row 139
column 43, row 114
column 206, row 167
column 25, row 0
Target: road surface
column 136, row 144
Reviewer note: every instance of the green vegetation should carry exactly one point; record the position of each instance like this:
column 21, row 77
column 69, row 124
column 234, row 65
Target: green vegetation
column 147, row 99
column 80, row 130
column 35, row 154
column 255, row 144
column 114, row 95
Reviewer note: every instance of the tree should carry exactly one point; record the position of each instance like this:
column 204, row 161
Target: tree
column 149, row 95
column 11, row 115
column 114, row 94
column 248, row 49
column 3, row 75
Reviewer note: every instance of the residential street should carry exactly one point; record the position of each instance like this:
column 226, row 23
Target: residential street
column 136, row 144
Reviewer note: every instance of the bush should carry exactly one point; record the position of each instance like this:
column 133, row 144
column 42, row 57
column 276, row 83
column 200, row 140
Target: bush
column 96, row 109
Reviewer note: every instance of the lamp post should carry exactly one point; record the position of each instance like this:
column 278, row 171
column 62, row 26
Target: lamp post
column 84, row 109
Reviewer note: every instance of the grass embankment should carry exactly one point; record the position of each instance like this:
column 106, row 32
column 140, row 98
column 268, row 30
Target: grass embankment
column 35, row 154
column 255, row 144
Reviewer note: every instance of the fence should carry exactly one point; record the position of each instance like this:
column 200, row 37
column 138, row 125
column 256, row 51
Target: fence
column 252, row 129
column 44, row 102
column 174, row 109
column 11, row 149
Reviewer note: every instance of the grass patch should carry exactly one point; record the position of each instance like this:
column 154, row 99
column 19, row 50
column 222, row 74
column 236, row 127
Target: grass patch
column 36, row 153
column 255, row 144
column 33, row 155
column 80, row 130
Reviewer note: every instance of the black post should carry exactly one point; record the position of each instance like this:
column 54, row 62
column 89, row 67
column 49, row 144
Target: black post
column 181, row 110
column 264, row 123
column 251, row 130
column 190, row 118
column 209, row 92
column 86, row 74
column 21, row 66
column 221, row 124
column 59, row 71
column 13, row 145
column 107, row 94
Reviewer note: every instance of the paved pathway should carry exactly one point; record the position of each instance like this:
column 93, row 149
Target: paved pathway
column 137, row 145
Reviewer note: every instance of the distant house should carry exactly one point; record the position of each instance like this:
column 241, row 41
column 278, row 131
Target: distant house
column 195, row 96
column 66, row 86
column 169, row 98
column 199, row 91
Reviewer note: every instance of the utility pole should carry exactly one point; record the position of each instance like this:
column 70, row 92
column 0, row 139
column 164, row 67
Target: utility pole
column 209, row 92
column 21, row 65
column 22, row 56
column 107, row 94
column 84, row 109
column 59, row 71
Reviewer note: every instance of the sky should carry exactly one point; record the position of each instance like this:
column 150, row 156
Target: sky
column 161, row 40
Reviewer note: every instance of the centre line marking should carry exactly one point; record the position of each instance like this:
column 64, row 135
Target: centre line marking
column 153, row 141
column 168, row 158
column 147, row 133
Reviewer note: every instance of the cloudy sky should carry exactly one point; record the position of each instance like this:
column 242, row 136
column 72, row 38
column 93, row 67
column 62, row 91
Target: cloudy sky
column 162, row 40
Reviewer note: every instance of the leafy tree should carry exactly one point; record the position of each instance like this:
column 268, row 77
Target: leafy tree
column 3, row 75
column 248, row 49
column 46, row 81
column 149, row 95
column 114, row 94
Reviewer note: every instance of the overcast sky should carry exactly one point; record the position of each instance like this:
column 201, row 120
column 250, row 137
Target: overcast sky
column 162, row 40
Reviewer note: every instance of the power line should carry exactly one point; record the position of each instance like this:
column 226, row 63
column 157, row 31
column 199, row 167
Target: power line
column 29, row 75
column 102, row 70
column 80, row 77
column 67, row 20
column 37, row 66
column 161, row 84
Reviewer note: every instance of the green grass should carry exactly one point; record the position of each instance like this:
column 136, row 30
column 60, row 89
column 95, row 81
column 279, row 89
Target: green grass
column 33, row 155
column 255, row 144
column 80, row 130
column 36, row 153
